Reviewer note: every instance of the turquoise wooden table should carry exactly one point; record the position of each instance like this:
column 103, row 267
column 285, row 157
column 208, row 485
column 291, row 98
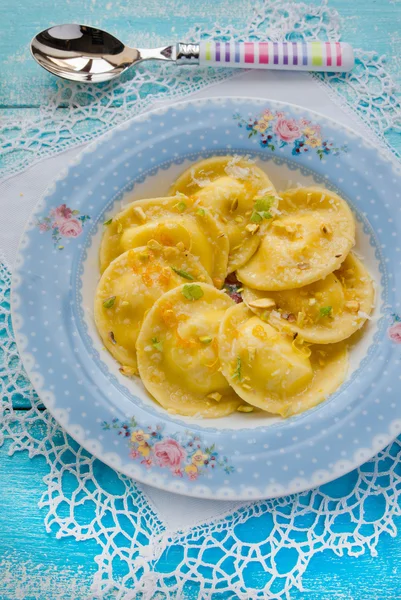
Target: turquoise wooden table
column 33, row 564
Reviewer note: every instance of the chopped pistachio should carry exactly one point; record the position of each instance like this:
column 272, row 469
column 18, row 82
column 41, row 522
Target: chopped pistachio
column 183, row 274
column 201, row 212
column 264, row 203
column 290, row 317
column 325, row 311
column 109, row 302
column 245, row 408
column 215, row 396
column 139, row 212
column 192, row 291
column 353, row 306
column 154, row 245
column 234, row 205
column 108, row 222
column 255, row 217
column 205, row 339
column 237, row 373
column 303, row 266
column 128, row 371
column 181, row 206
column 157, row 344
column 252, row 228
column 262, row 303
column 326, row 229
column 238, row 219
column 171, row 251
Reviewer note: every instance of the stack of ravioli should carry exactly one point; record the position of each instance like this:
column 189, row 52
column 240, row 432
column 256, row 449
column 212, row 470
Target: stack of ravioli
column 165, row 312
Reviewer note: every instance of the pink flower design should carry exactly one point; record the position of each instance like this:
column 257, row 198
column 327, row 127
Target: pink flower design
column 178, row 473
column 287, row 129
column 394, row 332
column 169, row 453
column 44, row 227
column 134, row 453
column 147, row 462
column 192, row 475
column 60, row 214
column 70, row 228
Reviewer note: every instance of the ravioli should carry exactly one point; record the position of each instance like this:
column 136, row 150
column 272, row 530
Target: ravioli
column 128, row 289
column 177, row 352
column 324, row 312
column 310, row 239
column 268, row 370
column 239, row 194
column 169, row 221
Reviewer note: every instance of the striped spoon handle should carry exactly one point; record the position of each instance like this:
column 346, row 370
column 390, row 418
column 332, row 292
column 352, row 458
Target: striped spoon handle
column 299, row 56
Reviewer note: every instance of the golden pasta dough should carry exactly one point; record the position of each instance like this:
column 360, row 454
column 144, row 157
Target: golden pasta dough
column 327, row 311
column 269, row 370
column 169, row 221
column 177, row 352
column 308, row 240
column 128, row 289
column 239, row 194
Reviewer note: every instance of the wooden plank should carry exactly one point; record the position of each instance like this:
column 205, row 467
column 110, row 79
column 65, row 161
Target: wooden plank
column 33, row 563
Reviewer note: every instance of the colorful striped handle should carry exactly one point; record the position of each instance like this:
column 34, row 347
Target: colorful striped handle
column 301, row 56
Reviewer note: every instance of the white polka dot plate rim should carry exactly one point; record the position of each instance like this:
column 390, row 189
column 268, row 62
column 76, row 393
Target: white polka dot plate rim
column 244, row 456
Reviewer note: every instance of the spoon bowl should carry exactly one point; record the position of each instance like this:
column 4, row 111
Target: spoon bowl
column 82, row 53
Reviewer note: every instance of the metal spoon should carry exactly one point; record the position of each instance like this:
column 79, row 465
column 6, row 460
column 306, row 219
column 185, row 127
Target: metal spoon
column 87, row 54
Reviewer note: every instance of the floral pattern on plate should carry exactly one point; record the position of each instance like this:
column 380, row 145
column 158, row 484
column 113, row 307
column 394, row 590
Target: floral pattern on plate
column 183, row 457
column 276, row 130
column 394, row 331
column 63, row 222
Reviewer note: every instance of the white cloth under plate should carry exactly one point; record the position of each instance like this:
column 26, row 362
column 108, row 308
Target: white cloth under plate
column 19, row 194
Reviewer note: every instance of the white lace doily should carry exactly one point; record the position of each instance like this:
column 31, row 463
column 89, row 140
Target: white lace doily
column 261, row 550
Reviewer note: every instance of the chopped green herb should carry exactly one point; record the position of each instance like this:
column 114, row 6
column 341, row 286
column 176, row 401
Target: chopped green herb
column 181, row 206
column 205, row 339
column 192, row 291
column 108, row 222
column 325, row 311
column 201, row 212
column 109, row 302
column 183, row 274
column 237, row 373
column 157, row 344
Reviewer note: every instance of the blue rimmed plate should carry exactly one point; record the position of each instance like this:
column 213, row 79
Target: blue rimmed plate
column 240, row 456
